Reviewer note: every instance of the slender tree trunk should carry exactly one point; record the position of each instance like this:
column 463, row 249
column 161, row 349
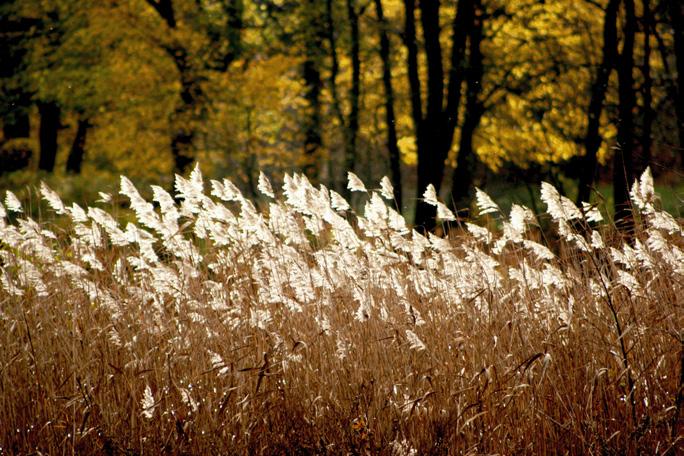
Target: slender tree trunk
column 235, row 10
column 429, row 18
column 49, row 130
column 77, row 152
column 431, row 147
column 334, row 93
column 648, row 112
column 185, row 115
column 165, row 10
column 390, row 119
column 411, row 43
column 350, row 122
column 465, row 163
column 355, row 89
column 313, row 85
column 334, row 61
column 312, row 124
column 677, row 16
column 459, row 32
column 251, row 163
column 622, row 161
column 592, row 140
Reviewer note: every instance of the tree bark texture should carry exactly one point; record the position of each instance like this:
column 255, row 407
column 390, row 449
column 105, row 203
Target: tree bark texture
column 355, row 89
column 622, row 160
column 390, row 117
column 348, row 122
column 187, row 112
column 313, row 85
column 592, row 140
column 49, row 130
column 648, row 114
column 462, row 183
column 435, row 125
column 77, row 152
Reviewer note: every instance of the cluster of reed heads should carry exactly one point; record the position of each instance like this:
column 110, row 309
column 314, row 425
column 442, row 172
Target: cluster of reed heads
column 210, row 324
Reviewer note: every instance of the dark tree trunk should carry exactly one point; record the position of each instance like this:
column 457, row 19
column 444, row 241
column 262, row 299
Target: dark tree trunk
column 429, row 18
column 648, row 112
column 390, row 119
column 225, row 45
column 186, row 114
column 165, row 10
column 350, row 122
column 592, row 140
column 77, row 152
column 235, row 10
column 431, row 146
column 459, row 32
column 334, row 93
column 461, row 187
column 355, row 89
column 435, row 129
column 622, row 161
column 411, row 43
column 312, row 124
column 312, row 92
column 677, row 17
column 49, row 129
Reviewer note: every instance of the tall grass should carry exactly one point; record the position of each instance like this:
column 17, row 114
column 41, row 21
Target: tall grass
column 210, row 326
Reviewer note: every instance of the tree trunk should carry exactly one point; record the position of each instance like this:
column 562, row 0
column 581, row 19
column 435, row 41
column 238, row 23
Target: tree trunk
column 165, row 10
column 390, row 119
column 677, row 17
column 648, row 112
column 77, row 152
column 429, row 18
column 434, row 130
column 185, row 115
column 411, row 43
column 334, row 93
column 350, row 122
column 461, row 187
column 355, row 89
column 431, row 147
column 622, row 160
column 312, row 92
column 49, row 129
column 312, row 124
column 235, row 10
column 592, row 140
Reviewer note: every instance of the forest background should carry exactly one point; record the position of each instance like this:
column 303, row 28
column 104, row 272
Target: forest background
column 501, row 94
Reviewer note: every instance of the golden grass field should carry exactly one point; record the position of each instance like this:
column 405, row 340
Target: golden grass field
column 211, row 325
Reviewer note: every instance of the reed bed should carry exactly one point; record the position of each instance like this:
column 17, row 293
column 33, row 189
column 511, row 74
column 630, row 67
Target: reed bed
column 214, row 325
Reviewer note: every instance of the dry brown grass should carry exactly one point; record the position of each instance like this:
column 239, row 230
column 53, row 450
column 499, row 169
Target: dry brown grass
column 506, row 368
